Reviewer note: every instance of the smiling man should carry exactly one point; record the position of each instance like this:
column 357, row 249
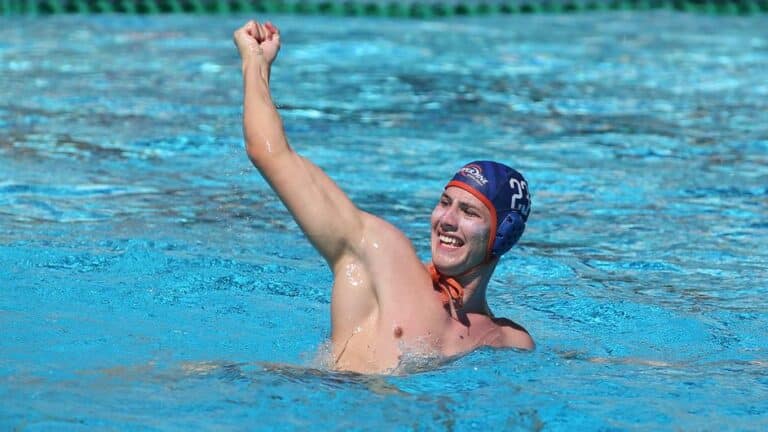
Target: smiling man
column 386, row 305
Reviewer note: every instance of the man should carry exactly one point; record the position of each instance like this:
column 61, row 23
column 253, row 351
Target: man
column 386, row 305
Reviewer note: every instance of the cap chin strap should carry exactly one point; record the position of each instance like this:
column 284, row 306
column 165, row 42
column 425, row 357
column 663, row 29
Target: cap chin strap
column 451, row 290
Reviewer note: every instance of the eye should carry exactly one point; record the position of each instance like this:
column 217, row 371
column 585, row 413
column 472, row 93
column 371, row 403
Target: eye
column 469, row 211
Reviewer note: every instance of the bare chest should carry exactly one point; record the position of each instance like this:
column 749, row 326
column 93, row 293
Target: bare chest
column 410, row 337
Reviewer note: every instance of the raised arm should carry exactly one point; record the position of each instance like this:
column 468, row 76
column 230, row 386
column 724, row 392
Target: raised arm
column 322, row 210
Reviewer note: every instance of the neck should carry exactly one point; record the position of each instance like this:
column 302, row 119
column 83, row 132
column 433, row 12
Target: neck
column 475, row 283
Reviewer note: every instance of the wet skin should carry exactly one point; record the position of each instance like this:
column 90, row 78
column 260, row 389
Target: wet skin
column 402, row 314
column 407, row 315
column 383, row 304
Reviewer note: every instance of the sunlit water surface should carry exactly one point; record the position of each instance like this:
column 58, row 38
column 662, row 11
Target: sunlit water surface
column 150, row 280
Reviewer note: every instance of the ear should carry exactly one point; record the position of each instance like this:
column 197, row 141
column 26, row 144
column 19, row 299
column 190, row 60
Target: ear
column 509, row 232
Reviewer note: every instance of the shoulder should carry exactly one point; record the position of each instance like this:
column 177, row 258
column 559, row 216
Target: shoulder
column 512, row 335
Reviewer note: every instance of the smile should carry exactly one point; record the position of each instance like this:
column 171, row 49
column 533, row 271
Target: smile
column 450, row 241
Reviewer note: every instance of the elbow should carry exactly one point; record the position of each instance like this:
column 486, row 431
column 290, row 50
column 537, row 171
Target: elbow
column 263, row 143
column 253, row 152
column 257, row 148
column 262, row 150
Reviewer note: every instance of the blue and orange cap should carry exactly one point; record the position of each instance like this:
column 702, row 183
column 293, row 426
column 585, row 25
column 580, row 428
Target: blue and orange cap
column 504, row 192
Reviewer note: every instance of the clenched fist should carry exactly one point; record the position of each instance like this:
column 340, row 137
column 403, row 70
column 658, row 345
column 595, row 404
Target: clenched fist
column 257, row 41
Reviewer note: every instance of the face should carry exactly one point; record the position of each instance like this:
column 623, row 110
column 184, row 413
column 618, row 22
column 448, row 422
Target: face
column 461, row 225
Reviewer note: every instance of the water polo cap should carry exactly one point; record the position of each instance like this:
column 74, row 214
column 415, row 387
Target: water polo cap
column 505, row 192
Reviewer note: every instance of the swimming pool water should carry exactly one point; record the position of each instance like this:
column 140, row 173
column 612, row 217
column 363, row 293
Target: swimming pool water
column 149, row 280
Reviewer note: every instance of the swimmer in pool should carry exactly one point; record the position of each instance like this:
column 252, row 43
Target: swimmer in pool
column 385, row 303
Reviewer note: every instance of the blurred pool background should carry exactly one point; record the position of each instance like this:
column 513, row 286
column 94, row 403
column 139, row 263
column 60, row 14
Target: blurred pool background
column 149, row 279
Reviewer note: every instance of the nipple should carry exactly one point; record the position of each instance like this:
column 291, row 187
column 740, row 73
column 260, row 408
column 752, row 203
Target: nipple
column 398, row 332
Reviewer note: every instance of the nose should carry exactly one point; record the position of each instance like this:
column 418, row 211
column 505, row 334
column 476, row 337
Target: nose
column 449, row 218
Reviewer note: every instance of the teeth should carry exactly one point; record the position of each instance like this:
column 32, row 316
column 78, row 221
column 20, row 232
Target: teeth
column 449, row 240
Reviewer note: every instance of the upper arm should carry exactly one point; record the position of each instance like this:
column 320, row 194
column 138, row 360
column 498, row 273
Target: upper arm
column 327, row 216
column 325, row 213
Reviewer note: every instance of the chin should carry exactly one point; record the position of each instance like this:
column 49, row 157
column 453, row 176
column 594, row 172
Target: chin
column 451, row 262
column 447, row 266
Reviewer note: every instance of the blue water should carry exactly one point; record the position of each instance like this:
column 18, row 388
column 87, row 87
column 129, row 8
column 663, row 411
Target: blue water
column 149, row 280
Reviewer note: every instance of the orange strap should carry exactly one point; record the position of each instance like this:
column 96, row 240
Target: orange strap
column 449, row 288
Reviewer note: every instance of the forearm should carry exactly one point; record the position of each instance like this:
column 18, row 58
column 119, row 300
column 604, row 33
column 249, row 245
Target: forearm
column 262, row 125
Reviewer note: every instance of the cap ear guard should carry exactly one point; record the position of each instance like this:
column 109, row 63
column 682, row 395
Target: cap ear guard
column 508, row 233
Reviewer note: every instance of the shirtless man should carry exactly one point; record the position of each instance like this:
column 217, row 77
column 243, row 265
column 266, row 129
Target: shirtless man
column 385, row 303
